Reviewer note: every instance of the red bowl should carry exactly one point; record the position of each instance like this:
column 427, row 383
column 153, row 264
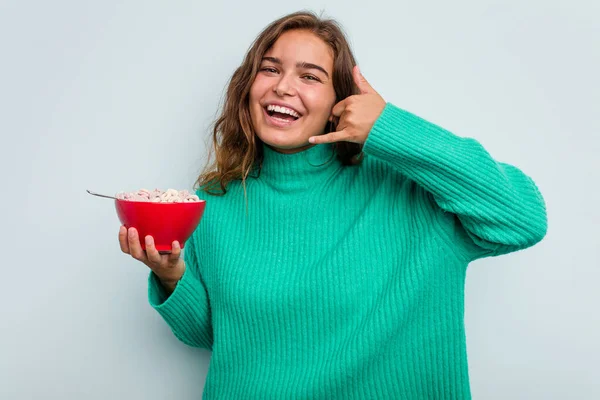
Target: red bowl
column 165, row 222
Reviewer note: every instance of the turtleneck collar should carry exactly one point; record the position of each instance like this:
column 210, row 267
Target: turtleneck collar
column 298, row 171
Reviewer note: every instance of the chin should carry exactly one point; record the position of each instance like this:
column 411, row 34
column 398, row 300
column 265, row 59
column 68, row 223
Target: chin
column 283, row 142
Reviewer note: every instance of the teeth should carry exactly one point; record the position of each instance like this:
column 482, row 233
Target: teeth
column 283, row 110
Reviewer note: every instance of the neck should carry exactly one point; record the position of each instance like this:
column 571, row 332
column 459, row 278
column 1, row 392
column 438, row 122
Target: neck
column 298, row 171
column 289, row 151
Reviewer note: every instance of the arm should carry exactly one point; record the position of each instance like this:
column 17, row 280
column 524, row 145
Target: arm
column 187, row 309
column 499, row 207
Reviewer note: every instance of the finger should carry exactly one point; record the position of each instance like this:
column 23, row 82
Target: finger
column 332, row 137
column 123, row 239
column 175, row 252
column 135, row 249
column 340, row 107
column 361, row 82
column 151, row 253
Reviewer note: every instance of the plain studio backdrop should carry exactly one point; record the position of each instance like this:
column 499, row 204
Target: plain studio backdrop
column 120, row 95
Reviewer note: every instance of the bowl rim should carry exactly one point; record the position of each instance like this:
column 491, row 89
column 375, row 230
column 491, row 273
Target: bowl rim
column 161, row 202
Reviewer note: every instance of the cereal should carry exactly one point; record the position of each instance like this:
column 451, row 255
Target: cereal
column 159, row 196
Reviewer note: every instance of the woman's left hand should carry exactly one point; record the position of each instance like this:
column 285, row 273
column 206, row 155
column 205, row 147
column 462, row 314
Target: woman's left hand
column 356, row 113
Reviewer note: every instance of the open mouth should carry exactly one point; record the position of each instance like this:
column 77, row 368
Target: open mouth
column 281, row 116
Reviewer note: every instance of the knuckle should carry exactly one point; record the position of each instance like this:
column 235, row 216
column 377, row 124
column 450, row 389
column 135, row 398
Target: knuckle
column 152, row 257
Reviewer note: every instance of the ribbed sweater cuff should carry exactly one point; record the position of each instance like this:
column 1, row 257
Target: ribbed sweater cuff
column 182, row 308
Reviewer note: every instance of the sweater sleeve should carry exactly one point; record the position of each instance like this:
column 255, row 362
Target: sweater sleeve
column 187, row 309
column 499, row 207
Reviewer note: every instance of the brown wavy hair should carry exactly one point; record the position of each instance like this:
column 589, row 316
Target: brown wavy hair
column 238, row 151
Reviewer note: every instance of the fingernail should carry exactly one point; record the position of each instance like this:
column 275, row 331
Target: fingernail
column 311, row 140
column 130, row 233
column 176, row 244
column 148, row 241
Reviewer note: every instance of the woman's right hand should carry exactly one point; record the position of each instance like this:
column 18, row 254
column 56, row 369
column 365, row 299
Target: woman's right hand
column 168, row 268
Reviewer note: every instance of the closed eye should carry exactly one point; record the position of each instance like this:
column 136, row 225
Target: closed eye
column 269, row 69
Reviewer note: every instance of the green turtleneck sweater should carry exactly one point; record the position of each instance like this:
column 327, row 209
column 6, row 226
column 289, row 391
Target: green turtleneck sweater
column 347, row 282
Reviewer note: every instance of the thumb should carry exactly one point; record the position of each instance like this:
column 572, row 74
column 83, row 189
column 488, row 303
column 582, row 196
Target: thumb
column 361, row 82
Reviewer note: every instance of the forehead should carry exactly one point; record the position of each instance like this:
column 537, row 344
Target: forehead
column 299, row 45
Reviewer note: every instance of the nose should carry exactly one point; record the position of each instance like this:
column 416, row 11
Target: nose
column 284, row 86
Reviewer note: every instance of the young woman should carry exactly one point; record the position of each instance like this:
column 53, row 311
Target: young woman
column 330, row 262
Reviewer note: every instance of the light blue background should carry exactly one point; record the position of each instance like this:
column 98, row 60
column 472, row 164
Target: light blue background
column 119, row 95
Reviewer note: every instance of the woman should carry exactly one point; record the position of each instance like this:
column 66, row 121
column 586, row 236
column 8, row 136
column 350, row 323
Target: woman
column 330, row 262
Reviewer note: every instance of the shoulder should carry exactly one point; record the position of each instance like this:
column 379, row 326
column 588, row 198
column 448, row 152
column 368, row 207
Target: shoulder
column 378, row 175
column 214, row 191
column 374, row 169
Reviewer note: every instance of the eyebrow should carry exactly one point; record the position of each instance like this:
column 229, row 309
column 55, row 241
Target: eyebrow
column 299, row 64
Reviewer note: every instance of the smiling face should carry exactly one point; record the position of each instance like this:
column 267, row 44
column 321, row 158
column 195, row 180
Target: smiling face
column 292, row 95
